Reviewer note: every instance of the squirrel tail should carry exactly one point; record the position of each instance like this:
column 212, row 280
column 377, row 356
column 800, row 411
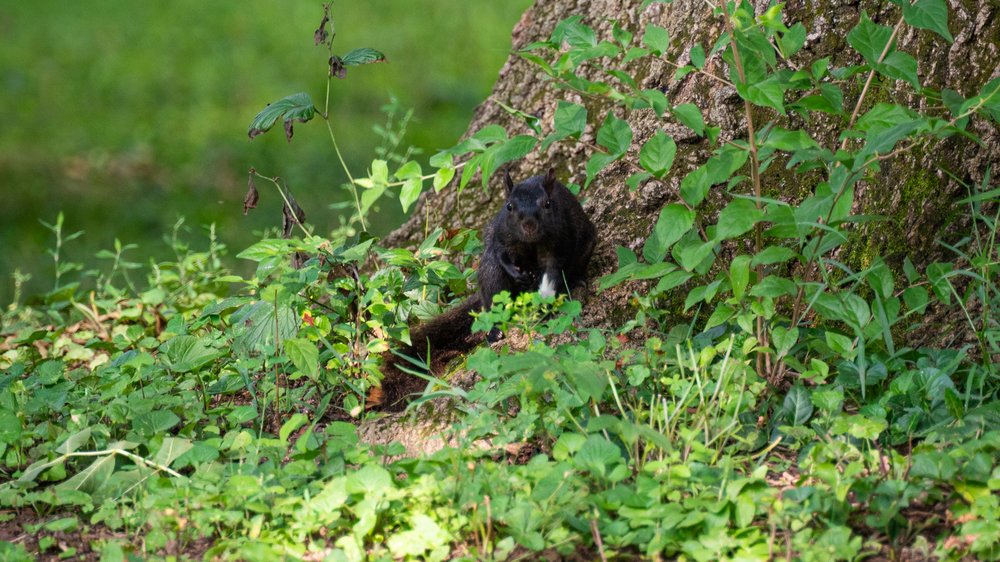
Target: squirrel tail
column 435, row 343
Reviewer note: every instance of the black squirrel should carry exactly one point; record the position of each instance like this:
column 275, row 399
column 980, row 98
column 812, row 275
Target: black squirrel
column 540, row 240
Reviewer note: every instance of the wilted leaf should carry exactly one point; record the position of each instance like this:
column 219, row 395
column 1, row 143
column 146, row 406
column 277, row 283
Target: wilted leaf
column 296, row 107
column 251, row 198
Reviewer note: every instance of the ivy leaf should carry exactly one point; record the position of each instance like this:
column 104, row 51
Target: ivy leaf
column 569, row 121
column 690, row 116
column 656, row 38
column 673, row 222
column 869, row 38
column 361, row 56
column 767, row 93
column 793, row 40
column 928, row 14
column 900, row 66
column 296, row 107
column 737, row 218
column 657, row 154
column 698, row 57
column 615, row 135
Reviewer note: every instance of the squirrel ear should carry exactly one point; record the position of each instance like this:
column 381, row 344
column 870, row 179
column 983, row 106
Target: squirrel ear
column 550, row 179
column 509, row 183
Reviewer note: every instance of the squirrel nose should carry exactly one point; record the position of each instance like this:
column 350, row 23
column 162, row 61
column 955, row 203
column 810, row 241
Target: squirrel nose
column 529, row 227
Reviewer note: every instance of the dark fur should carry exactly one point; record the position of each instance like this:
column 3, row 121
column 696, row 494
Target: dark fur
column 541, row 229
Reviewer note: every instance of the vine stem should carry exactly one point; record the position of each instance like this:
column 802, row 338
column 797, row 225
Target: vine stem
column 763, row 359
column 871, row 76
column 333, row 138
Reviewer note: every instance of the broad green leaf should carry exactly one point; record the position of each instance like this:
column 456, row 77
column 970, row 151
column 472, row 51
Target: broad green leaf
column 296, row 107
column 773, row 254
column 739, row 275
column 369, row 480
column 410, row 192
column 153, row 423
column 574, row 33
column 615, row 135
column 304, row 356
column 254, row 326
column 598, row 455
column 829, row 400
column 656, row 38
column 789, row 141
column 90, row 479
column 690, row 116
column 793, row 39
column 188, row 353
column 928, row 14
column 900, row 66
column 657, row 154
column 266, row 249
column 698, row 56
column 869, row 38
column 570, row 120
column 172, row 448
column 10, row 427
column 597, row 162
column 737, row 218
column 360, row 56
column 74, row 442
column 798, row 405
column 673, row 222
column 767, row 93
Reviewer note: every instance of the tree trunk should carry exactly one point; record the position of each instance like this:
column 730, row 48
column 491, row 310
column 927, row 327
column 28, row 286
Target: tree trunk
column 912, row 190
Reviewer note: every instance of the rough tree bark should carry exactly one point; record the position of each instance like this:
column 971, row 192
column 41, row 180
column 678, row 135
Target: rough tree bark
column 912, row 190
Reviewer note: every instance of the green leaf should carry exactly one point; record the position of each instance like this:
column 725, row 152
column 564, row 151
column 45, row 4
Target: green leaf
column 171, row 449
column 793, row 39
column 737, row 218
column 615, row 135
column 900, row 66
column 361, row 56
column 74, row 442
column 928, row 14
column 869, row 38
column 410, row 192
column 574, row 33
column 698, row 56
column 789, row 141
column 656, row 38
column 739, row 275
column 304, row 356
column 188, row 353
column 150, row 424
column 773, row 254
column 798, row 405
column 597, row 162
column 657, row 154
column 254, row 326
column 290, row 426
column 92, row 478
column 767, row 93
column 370, row 480
column 296, row 107
column 570, row 120
column 673, row 222
column 10, row 427
column 690, row 116
column 598, row 455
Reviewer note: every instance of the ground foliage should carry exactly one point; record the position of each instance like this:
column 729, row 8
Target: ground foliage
column 782, row 414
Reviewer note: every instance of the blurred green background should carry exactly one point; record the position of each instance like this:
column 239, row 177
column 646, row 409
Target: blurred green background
column 128, row 115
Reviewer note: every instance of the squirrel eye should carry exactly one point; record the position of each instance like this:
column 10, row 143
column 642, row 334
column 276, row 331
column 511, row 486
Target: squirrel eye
column 548, row 203
column 510, row 207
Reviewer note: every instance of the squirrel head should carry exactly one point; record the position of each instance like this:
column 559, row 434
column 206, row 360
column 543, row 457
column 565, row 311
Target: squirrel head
column 531, row 211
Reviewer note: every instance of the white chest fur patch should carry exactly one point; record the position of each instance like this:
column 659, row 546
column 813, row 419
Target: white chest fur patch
column 547, row 287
